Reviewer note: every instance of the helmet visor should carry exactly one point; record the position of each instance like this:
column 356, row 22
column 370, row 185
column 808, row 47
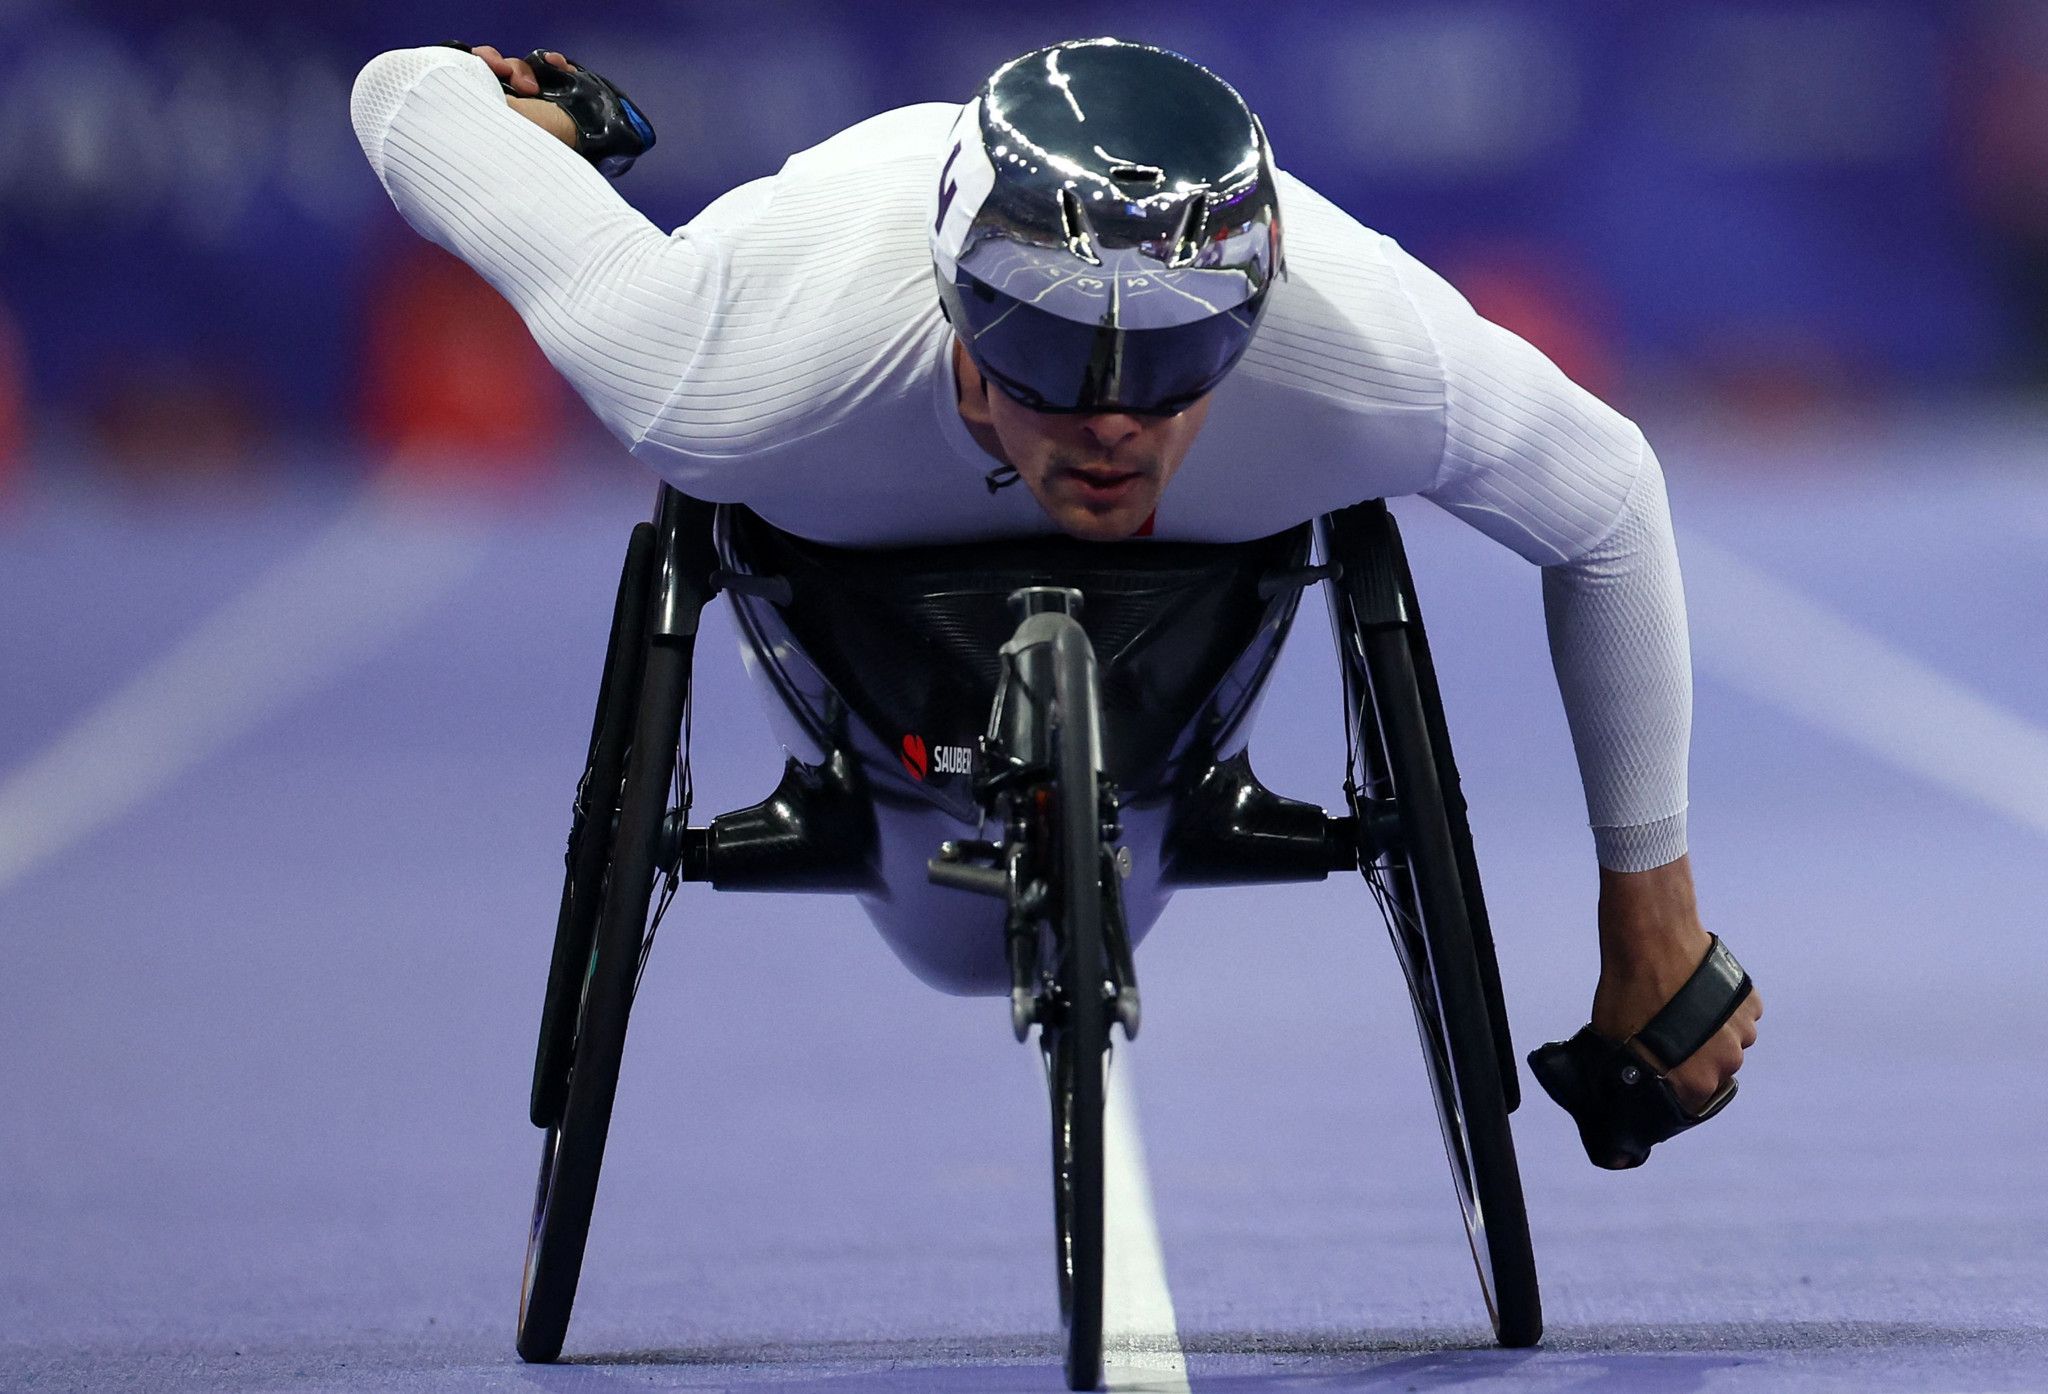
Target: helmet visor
column 1052, row 364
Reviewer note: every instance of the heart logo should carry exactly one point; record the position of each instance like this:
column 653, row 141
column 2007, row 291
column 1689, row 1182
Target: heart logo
column 915, row 758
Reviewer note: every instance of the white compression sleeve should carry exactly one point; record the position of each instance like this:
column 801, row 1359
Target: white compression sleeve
column 618, row 306
column 1618, row 641
column 1544, row 467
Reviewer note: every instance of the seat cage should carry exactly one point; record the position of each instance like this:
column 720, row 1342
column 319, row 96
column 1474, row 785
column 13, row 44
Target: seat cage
column 891, row 656
column 882, row 664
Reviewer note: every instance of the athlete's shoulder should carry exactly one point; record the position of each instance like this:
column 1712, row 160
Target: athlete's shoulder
column 1318, row 226
column 908, row 133
column 1340, row 322
column 826, row 319
column 853, row 197
column 873, row 176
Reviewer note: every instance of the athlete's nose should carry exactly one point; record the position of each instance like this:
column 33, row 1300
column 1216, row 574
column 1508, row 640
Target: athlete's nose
column 1111, row 428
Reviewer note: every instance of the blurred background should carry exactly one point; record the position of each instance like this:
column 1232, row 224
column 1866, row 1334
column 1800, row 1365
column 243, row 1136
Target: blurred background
column 1749, row 210
column 305, row 563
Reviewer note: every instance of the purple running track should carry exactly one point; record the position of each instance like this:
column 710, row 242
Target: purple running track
column 268, row 1030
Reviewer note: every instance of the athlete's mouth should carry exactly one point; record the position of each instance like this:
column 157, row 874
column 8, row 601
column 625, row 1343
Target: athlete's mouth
column 1104, row 484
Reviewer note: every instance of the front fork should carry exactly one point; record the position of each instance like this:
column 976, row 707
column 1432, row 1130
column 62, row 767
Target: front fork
column 1014, row 791
column 1005, row 870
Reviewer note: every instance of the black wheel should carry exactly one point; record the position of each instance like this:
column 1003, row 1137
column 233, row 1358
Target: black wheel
column 1461, row 840
column 1420, row 882
column 573, row 1151
column 590, row 829
column 1077, row 1046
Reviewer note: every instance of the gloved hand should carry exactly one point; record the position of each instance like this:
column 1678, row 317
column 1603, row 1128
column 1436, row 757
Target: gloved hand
column 611, row 131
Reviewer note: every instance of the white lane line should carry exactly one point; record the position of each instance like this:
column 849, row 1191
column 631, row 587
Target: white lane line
column 1140, row 1338
column 350, row 588
column 1760, row 635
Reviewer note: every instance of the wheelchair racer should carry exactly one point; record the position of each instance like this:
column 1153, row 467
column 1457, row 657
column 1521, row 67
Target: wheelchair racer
column 1155, row 332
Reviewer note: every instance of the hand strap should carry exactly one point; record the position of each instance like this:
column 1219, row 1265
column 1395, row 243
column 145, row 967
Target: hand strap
column 1698, row 1010
column 611, row 131
column 1623, row 1105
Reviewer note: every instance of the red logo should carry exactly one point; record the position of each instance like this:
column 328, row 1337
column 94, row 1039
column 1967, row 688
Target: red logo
column 914, row 757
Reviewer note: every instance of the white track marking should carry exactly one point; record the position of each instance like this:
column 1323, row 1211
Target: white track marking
column 334, row 601
column 1758, row 634
column 1140, row 1338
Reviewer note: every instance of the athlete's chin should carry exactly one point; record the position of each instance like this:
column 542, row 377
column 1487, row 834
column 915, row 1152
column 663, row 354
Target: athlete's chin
column 1097, row 506
column 1092, row 514
column 1099, row 524
column 1091, row 528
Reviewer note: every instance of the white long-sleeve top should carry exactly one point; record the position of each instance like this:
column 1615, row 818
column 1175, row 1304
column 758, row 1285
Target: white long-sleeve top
column 785, row 350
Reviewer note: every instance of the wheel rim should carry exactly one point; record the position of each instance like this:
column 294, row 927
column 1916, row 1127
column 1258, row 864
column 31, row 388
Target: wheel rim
column 1450, row 1117
column 543, row 1193
column 1081, row 1045
column 1059, row 1076
column 1393, row 885
column 1078, row 1237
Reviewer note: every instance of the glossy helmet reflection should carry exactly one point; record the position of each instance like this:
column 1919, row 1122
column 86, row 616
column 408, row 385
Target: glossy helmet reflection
column 1106, row 228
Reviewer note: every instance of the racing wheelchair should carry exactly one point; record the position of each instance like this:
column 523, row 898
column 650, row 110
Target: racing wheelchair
column 1051, row 733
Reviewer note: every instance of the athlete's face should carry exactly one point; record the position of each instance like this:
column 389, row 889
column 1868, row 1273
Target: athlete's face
column 1097, row 476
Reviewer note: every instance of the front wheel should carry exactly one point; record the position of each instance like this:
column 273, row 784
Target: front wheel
column 1077, row 1046
column 1077, row 1108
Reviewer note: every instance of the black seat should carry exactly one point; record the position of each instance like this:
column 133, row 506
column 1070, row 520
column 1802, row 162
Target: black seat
column 909, row 637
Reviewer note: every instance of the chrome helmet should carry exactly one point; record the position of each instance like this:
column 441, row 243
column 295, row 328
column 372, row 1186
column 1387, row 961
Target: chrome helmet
column 1106, row 228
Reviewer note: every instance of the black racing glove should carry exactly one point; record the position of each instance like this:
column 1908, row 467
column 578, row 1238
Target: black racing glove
column 611, row 132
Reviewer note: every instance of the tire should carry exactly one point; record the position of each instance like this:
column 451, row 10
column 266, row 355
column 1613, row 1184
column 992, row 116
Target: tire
column 1077, row 1054
column 573, row 1151
column 1461, row 839
column 1422, row 882
column 590, row 829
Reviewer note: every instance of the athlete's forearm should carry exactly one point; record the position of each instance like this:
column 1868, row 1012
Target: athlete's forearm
column 1618, row 641
column 619, row 307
